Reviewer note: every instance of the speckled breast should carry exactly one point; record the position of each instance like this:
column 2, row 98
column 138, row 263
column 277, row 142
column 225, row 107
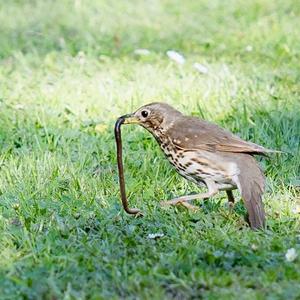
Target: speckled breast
column 197, row 165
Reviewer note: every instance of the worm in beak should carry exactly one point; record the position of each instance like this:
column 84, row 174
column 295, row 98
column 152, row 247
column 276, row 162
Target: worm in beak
column 126, row 119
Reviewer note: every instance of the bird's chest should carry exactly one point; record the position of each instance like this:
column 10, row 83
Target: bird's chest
column 182, row 163
column 196, row 166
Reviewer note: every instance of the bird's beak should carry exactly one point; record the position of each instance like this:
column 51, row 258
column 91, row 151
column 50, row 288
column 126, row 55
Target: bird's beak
column 130, row 119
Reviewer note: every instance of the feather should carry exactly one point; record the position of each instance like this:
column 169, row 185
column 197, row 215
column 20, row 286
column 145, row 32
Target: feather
column 251, row 183
column 193, row 133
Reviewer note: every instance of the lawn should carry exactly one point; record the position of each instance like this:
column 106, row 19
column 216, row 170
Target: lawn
column 68, row 70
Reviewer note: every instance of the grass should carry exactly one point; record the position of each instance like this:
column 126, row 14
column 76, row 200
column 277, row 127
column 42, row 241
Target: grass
column 65, row 67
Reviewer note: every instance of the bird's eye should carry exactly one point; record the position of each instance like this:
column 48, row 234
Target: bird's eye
column 144, row 114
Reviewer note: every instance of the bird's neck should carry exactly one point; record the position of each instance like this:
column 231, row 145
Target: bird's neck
column 159, row 134
column 159, row 130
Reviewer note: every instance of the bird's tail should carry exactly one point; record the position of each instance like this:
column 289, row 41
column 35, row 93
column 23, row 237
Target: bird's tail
column 251, row 186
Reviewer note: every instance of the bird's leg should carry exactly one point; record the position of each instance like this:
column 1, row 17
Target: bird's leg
column 212, row 190
column 230, row 196
column 230, row 199
column 188, row 206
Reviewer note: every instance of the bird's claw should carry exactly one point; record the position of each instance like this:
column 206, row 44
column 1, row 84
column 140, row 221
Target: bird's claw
column 189, row 206
column 168, row 203
column 179, row 202
column 230, row 206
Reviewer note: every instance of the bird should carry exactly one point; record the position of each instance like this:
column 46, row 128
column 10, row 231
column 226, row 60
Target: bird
column 207, row 155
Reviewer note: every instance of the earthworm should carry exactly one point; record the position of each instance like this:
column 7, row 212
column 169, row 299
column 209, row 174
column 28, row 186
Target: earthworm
column 118, row 138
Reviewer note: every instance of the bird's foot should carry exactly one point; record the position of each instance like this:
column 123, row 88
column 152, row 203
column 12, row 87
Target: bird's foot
column 230, row 206
column 171, row 202
column 179, row 202
column 189, row 206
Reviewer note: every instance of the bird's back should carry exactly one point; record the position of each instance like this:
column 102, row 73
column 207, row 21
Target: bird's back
column 194, row 133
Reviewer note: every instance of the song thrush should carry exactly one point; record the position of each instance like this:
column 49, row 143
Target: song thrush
column 206, row 154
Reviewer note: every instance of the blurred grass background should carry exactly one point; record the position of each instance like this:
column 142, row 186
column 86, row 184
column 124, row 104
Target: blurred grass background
column 66, row 66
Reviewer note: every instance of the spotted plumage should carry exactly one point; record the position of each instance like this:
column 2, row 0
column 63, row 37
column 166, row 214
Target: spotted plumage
column 207, row 154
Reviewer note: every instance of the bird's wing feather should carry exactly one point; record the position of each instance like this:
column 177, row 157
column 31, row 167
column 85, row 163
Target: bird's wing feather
column 193, row 133
column 251, row 183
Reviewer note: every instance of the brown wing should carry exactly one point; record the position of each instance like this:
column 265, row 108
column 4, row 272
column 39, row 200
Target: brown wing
column 193, row 133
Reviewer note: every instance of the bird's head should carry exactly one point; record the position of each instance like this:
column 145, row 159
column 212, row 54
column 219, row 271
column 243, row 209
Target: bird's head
column 153, row 116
